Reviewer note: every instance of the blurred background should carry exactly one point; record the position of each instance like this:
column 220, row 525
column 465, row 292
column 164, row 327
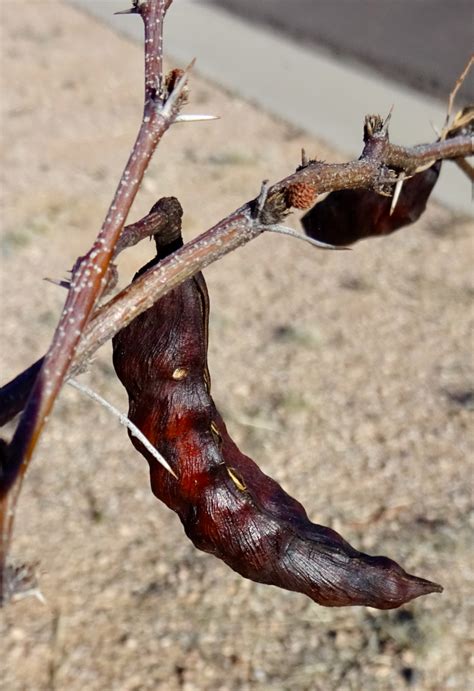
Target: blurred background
column 422, row 43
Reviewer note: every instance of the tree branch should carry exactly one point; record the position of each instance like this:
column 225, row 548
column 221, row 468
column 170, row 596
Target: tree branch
column 239, row 228
column 410, row 160
column 89, row 275
column 371, row 171
column 87, row 280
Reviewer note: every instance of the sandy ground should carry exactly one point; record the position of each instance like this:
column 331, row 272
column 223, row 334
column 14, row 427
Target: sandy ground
column 348, row 376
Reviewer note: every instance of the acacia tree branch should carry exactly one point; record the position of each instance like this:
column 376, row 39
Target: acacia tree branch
column 89, row 274
column 409, row 160
column 239, row 228
column 371, row 171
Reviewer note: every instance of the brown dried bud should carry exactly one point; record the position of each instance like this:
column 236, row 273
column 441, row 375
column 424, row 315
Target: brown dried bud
column 173, row 77
column 373, row 125
column 300, row 195
column 171, row 80
column 275, row 209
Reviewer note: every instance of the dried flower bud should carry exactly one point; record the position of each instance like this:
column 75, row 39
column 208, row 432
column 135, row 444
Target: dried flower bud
column 300, row 195
column 171, row 80
column 173, row 77
column 373, row 125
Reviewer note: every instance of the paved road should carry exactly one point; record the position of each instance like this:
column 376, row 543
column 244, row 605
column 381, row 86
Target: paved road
column 423, row 43
column 344, row 90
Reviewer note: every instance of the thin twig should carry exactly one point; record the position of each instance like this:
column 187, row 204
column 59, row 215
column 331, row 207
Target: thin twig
column 418, row 157
column 454, row 92
column 61, row 283
column 124, row 420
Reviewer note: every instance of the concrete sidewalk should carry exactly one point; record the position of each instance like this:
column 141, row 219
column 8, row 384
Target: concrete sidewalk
column 305, row 87
column 422, row 44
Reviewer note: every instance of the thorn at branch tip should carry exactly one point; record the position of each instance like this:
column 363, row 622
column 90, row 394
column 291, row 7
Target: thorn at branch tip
column 386, row 122
column 284, row 230
column 453, row 94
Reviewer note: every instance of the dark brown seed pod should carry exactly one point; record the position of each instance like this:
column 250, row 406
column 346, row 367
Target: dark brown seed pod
column 346, row 216
column 228, row 506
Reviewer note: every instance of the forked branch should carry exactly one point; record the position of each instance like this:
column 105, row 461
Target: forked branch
column 89, row 275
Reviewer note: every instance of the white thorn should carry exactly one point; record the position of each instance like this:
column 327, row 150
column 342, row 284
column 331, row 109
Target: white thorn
column 284, row 230
column 186, row 117
column 396, row 193
column 124, row 420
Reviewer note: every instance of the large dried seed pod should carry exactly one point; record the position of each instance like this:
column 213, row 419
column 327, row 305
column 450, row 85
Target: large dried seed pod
column 227, row 505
